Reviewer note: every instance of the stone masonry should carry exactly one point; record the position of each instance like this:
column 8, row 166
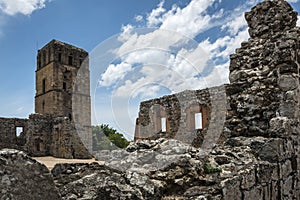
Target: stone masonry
column 61, row 126
column 180, row 110
column 262, row 109
column 256, row 154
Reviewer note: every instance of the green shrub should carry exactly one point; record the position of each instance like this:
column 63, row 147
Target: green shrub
column 209, row 169
column 107, row 138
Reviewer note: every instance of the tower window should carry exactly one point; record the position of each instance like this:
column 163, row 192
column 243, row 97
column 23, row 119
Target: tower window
column 44, row 57
column 59, row 57
column 198, row 121
column 39, row 63
column 43, row 106
column 70, row 60
column 64, row 86
column 44, row 85
column 49, row 56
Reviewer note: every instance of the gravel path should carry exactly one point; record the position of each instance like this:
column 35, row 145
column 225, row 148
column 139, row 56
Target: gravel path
column 50, row 161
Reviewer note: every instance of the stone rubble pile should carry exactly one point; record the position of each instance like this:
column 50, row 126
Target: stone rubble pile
column 22, row 178
column 258, row 158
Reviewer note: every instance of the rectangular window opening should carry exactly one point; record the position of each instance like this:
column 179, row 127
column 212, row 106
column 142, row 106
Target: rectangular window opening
column 70, row 60
column 163, row 124
column 44, row 85
column 198, row 121
column 39, row 63
column 19, row 131
column 59, row 57
column 64, row 86
column 44, row 57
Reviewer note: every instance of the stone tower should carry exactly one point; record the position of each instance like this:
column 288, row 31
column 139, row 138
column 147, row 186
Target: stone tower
column 63, row 85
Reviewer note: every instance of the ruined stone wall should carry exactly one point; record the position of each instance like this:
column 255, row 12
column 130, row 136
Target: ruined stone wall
column 258, row 153
column 179, row 110
column 62, row 125
column 264, row 103
column 173, row 108
column 56, row 136
column 43, row 135
column 8, row 133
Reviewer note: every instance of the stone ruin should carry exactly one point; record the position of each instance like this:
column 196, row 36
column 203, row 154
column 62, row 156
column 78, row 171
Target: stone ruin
column 256, row 156
column 62, row 107
column 262, row 108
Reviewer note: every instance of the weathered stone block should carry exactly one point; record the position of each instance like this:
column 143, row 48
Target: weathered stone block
column 288, row 82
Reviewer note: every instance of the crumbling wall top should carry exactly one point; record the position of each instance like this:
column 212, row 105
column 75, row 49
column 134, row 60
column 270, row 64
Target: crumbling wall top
column 270, row 17
column 63, row 44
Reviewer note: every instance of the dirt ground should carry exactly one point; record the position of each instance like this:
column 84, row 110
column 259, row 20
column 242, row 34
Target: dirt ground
column 50, row 161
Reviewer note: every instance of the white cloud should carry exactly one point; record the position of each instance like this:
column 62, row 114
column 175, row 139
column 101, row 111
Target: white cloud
column 292, row 1
column 190, row 20
column 126, row 33
column 25, row 7
column 183, row 66
column 114, row 72
column 154, row 18
column 164, row 58
column 235, row 25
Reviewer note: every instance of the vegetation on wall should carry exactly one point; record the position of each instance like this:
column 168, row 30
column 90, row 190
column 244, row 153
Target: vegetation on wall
column 107, row 138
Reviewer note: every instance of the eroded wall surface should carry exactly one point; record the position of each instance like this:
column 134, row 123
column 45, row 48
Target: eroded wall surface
column 179, row 112
column 262, row 116
column 43, row 135
column 264, row 104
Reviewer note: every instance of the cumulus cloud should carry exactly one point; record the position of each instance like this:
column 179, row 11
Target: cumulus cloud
column 163, row 55
column 114, row 72
column 169, row 57
column 25, row 7
column 154, row 18
column 235, row 25
column 190, row 20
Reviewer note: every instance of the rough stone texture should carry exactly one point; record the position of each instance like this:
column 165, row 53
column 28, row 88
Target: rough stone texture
column 63, row 108
column 179, row 110
column 8, row 133
column 43, row 135
column 264, row 100
column 63, row 85
column 262, row 111
column 257, row 156
column 63, row 141
column 23, row 178
column 92, row 181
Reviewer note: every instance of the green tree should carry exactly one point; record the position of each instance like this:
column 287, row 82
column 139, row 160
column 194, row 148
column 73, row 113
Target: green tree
column 107, row 138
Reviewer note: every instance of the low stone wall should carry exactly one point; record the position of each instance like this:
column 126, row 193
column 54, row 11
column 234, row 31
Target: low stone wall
column 8, row 133
column 43, row 135
column 179, row 112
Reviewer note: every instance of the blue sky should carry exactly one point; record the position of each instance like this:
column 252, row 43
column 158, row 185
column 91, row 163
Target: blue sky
column 144, row 63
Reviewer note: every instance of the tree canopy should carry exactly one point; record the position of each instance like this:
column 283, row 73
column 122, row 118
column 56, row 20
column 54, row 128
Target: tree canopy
column 107, row 138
